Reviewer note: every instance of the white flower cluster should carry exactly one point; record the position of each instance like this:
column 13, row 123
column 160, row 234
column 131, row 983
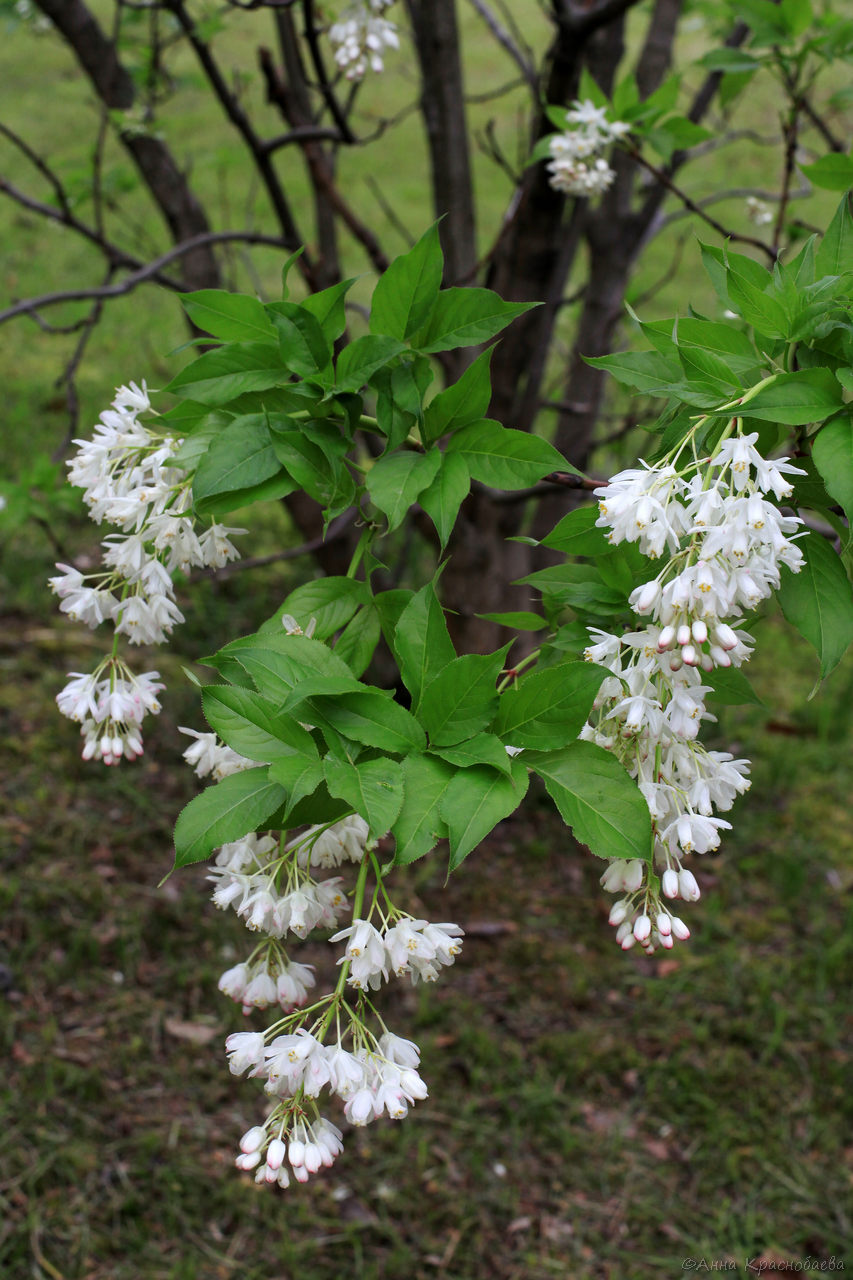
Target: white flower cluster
column 758, row 211
column 127, row 482
column 360, row 36
column 726, row 544
column 269, row 884
column 577, row 166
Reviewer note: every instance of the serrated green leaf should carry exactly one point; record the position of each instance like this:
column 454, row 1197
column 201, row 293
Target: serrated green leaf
column 420, row 825
column 817, row 601
column 648, row 371
column 406, row 292
column 597, row 798
column 443, row 498
column 519, row 621
column 374, row 788
column 396, row 479
column 359, row 638
column 303, row 346
column 235, row 317
column 359, row 361
column 548, row 709
column 231, row 809
column 833, row 172
column 467, row 317
column 421, row 642
column 239, row 457
column 277, row 662
column 328, row 309
column 577, row 534
column 252, row 725
column 834, row 255
column 832, row 451
column 482, row 749
column 300, row 776
column 504, row 458
column 366, row 715
column 476, row 801
column 217, row 377
column 796, row 399
column 462, row 403
column 462, row 698
column 331, row 602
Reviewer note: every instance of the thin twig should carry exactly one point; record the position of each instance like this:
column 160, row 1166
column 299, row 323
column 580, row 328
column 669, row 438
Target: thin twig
column 337, row 529
column 335, row 109
column 506, row 41
column 151, row 271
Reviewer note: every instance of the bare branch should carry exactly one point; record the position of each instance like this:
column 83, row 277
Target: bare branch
column 506, row 41
column 149, row 272
column 338, row 529
column 323, row 81
column 301, row 134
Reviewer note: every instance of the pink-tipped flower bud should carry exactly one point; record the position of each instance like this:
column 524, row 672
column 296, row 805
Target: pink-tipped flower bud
column 647, row 597
column 688, row 886
column 666, row 941
column 690, row 656
column 618, row 912
column 725, row 636
column 623, row 932
column 276, row 1153
column 683, row 633
column 679, row 929
column 706, row 662
column 699, row 631
column 719, row 656
column 663, row 922
column 642, row 928
column 627, row 942
column 675, row 662
column 246, row 1162
column 252, row 1139
column 666, row 638
column 669, row 883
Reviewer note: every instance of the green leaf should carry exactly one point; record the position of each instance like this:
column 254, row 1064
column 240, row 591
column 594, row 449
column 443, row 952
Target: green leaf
column 817, row 602
column 239, row 457
column 374, row 788
column 231, row 809
column 327, row 308
column 395, row 481
column 467, row 317
column 216, row 377
column 832, row 451
column 286, row 268
column 519, row 621
column 834, row 256
column 578, row 585
column 357, row 642
column 483, row 748
column 358, row 362
column 648, row 371
column 304, row 348
column 420, row 825
column 462, row 698
column 504, row 458
column 833, row 172
column 475, row 802
column 406, row 292
column 366, row 715
column 252, row 725
column 398, row 401
column 300, row 776
column 730, row 687
column 235, row 317
column 314, row 459
column 597, row 798
column 421, row 641
column 461, row 404
column 443, row 498
column 809, row 395
column 548, row 708
column 278, row 662
column 577, row 534
column 330, row 601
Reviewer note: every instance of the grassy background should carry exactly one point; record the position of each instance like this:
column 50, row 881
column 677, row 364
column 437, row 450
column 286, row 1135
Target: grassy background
column 591, row 1114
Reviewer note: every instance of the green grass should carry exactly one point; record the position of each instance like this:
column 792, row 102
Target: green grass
column 591, row 1114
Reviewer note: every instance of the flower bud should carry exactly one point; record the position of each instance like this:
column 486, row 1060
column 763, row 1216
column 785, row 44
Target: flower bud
column 642, row 928
column 688, row 886
column 647, row 597
column 679, row 929
column 682, row 635
column 252, row 1139
column 669, row 883
column 666, row 638
column 699, row 631
column 633, row 874
column 276, row 1154
column 663, row 922
column 725, row 636
column 618, row 912
column 689, row 655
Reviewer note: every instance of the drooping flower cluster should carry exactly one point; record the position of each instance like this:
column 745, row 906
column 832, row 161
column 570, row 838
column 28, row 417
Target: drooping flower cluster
column 725, row 544
column 128, row 482
column 327, row 1045
column 360, row 36
column 577, row 166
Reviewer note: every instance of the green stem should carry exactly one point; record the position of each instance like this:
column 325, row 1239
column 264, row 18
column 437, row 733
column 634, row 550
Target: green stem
column 361, row 547
column 519, row 667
